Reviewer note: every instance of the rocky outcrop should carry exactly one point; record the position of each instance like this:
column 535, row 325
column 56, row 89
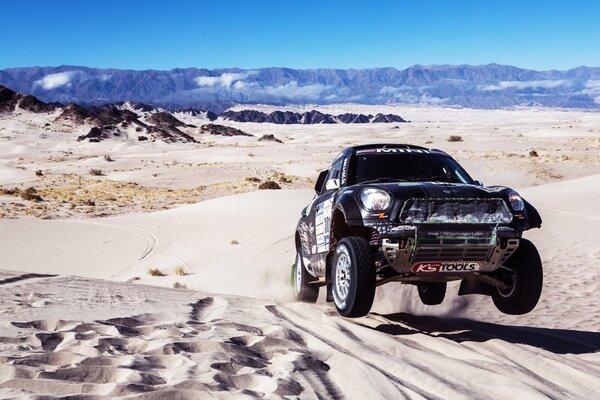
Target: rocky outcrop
column 269, row 138
column 349, row 118
column 164, row 118
column 215, row 129
column 387, row 118
column 75, row 114
column 309, row 117
column 98, row 134
column 10, row 100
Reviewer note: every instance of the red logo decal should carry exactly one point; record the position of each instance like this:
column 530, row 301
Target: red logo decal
column 446, row 266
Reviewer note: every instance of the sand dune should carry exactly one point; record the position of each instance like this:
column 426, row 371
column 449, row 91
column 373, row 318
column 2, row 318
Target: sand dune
column 64, row 335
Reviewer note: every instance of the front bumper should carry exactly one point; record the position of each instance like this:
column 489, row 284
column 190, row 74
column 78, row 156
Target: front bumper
column 448, row 247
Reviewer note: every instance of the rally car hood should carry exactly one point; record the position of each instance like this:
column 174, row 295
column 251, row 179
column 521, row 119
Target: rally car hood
column 438, row 190
column 404, row 191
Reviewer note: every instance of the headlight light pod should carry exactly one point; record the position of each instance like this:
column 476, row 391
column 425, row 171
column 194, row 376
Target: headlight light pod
column 516, row 202
column 375, row 199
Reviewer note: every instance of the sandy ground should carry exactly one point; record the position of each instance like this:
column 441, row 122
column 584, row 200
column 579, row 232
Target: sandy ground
column 80, row 314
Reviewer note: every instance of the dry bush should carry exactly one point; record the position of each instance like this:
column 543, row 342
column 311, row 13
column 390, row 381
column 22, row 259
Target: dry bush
column 180, row 271
column 96, row 172
column 269, row 185
column 455, row 138
column 39, row 173
column 178, row 285
column 108, row 158
column 155, row 272
column 533, row 153
column 10, row 192
column 234, row 242
column 252, row 179
column 284, row 179
column 31, row 194
column 89, row 202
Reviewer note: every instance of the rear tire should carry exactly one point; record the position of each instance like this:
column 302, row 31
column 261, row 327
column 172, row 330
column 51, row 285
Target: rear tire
column 432, row 293
column 353, row 277
column 303, row 290
column 523, row 274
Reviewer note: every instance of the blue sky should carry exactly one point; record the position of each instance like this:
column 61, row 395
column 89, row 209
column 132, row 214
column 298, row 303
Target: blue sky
column 299, row 34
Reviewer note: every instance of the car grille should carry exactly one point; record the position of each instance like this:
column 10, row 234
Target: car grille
column 455, row 211
column 465, row 252
column 461, row 243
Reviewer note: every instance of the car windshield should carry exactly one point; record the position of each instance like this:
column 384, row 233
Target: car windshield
column 412, row 167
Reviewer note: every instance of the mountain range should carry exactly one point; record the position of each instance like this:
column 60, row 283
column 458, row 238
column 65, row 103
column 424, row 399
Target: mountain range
column 484, row 86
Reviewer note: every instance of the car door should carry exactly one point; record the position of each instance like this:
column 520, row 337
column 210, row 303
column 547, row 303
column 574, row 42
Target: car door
column 318, row 220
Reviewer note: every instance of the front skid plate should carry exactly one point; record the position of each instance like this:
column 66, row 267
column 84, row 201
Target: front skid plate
column 402, row 259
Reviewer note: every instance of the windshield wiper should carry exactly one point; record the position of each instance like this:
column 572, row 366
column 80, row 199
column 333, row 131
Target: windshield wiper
column 385, row 180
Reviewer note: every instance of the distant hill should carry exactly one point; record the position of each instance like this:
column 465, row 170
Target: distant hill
column 484, row 86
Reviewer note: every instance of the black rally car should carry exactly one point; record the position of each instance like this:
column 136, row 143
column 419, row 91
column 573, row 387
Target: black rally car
column 402, row 213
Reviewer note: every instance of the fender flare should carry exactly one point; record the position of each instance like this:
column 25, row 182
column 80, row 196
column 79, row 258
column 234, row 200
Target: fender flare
column 347, row 204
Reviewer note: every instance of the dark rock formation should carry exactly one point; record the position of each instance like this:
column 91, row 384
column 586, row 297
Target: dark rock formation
column 76, row 114
column 215, row 129
column 309, row 117
column 387, row 118
column 349, row 118
column 164, row 118
column 98, row 134
column 269, row 138
column 9, row 100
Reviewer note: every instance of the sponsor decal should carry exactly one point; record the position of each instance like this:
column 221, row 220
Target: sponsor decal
column 446, row 266
column 345, row 171
column 323, row 224
column 379, row 215
column 391, row 150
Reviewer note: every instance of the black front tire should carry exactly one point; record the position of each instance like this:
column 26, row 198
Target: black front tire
column 432, row 293
column 303, row 290
column 524, row 276
column 353, row 277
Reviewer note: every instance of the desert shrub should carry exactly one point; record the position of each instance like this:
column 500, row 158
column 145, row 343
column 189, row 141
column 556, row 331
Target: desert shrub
column 269, row 185
column 178, row 285
column 234, row 242
column 10, row 192
column 142, row 138
column 108, row 158
column 96, row 172
column 89, row 202
column 31, row 194
column 155, row 272
column 180, row 271
column 284, row 179
column 455, row 138
column 39, row 173
column 252, row 179
column 533, row 153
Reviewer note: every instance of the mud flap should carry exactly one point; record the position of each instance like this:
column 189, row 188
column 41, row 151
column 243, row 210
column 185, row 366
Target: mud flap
column 472, row 285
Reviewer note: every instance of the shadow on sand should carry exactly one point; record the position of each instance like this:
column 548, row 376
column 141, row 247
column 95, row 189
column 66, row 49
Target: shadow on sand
column 559, row 341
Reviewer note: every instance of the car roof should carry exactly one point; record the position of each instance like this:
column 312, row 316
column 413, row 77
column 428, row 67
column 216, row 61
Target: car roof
column 375, row 146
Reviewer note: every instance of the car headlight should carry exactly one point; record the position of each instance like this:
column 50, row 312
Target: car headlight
column 375, row 199
column 516, row 202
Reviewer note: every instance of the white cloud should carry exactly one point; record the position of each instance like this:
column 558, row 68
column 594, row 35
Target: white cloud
column 226, row 79
column 545, row 84
column 592, row 87
column 52, row 81
column 293, row 90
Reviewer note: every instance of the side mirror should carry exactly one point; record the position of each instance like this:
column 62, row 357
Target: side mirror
column 478, row 183
column 320, row 181
column 332, row 184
